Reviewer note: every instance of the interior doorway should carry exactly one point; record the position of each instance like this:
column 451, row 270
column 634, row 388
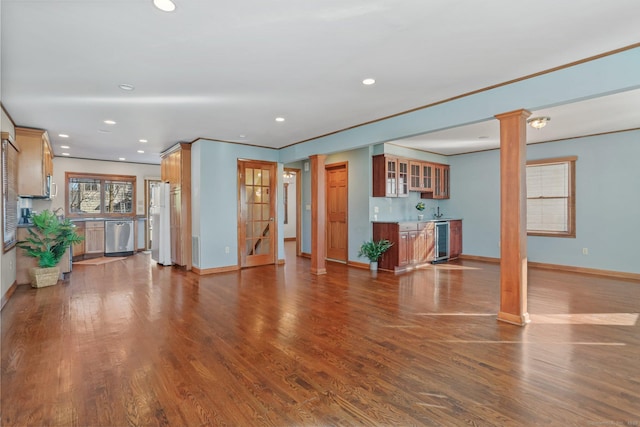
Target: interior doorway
column 337, row 188
column 292, row 190
column 257, row 226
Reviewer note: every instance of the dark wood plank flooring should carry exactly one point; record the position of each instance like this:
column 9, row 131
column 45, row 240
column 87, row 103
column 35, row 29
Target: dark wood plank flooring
column 132, row 343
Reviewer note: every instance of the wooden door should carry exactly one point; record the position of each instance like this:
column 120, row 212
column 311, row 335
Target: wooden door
column 257, row 213
column 337, row 206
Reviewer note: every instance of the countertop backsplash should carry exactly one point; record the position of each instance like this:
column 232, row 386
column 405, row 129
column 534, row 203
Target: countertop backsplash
column 402, row 208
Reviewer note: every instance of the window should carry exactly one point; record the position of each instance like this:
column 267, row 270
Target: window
column 551, row 197
column 96, row 195
column 9, row 194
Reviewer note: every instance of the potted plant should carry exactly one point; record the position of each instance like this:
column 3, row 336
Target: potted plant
column 374, row 250
column 48, row 240
column 420, row 207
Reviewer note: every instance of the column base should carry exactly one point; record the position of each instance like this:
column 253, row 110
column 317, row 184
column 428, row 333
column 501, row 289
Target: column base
column 514, row 319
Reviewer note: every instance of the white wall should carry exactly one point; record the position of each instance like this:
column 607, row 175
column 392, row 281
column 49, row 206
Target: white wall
column 65, row 164
column 607, row 203
column 290, row 228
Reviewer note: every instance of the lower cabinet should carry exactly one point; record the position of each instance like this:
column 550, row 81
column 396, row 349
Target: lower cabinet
column 78, row 248
column 455, row 238
column 413, row 243
column 94, row 237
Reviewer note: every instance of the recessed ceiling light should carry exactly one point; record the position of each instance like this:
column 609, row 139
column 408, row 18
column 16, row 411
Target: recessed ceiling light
column 66, row 154
column 141, row 151
column 109, row 122
column 243, row 136
column 143, row 140
column 165, row 5
column 279, row 119
column 368, row 81
column 65, row 147
column 127, row 87
column 63, row 135
column 121, row 158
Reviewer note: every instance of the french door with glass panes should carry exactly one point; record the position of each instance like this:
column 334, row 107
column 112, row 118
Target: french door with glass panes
column 257, row 212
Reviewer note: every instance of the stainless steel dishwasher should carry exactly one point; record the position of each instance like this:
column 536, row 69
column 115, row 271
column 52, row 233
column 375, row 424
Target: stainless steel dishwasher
column 118, row 238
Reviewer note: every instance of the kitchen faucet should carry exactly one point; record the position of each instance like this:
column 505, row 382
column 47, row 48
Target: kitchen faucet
column 438, row 215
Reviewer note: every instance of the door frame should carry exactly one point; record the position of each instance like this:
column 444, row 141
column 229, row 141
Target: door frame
column 327, row 167
column 241, row 224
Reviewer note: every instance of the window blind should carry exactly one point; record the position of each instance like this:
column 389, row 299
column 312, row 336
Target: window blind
column 548, row 197
column 9, row 194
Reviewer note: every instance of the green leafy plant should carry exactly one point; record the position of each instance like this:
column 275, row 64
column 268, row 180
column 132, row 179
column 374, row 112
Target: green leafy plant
column 49, row 238
column 420, row 206
column 374, row 250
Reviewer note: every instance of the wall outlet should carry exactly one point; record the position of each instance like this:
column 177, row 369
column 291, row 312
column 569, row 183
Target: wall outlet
column 226, row 249
column 585, row 251
column 375, row 209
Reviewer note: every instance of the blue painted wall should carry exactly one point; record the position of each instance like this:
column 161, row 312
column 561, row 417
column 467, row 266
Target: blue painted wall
column 215, row 193
column 607, row 203
column 474, row 177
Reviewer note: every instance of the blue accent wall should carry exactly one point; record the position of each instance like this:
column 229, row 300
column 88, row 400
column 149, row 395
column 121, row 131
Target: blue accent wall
column 607, row 203
column 215, row 214
column 607, row 197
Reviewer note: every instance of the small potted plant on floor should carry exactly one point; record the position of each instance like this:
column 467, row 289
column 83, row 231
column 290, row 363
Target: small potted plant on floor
column 374, row 250
column 48, row 240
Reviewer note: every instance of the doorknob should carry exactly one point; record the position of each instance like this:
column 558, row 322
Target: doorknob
column 270, row 219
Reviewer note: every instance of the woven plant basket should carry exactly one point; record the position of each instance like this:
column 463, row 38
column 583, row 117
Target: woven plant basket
column 41, row 277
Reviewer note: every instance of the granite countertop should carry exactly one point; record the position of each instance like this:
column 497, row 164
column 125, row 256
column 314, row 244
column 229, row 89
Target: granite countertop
column 421, row 220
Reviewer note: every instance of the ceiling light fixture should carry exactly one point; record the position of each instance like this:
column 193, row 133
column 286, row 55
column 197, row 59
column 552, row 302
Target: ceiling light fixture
column 65, row 147
column 121, row 158
column 141, row 151
column 66, row 154
column 279, row 119
column 538, row 122
column 109, row 122
column 143, row 140
column 165, row 5
column 63, row 135
column 127, row 87
column 368, row 81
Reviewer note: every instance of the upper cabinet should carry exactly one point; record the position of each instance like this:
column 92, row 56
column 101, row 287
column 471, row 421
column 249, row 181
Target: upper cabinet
column 35, row 163
column 390, row 176
column 395, row 177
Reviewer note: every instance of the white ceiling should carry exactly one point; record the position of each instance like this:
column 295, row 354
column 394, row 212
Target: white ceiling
column 226, row 70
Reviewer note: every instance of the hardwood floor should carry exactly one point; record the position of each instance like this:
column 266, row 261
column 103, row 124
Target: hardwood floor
column 132, row 343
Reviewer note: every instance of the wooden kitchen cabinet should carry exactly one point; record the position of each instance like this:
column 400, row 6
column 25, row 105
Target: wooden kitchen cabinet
column 407, row 248
column 390, row 176
column 396, row 177
column 78, row 248
column 426, row 242
column 441, row 181
column 455, row 238
column 175, row 169
column 413, row 243
column 94, row 237
column 35, row 162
